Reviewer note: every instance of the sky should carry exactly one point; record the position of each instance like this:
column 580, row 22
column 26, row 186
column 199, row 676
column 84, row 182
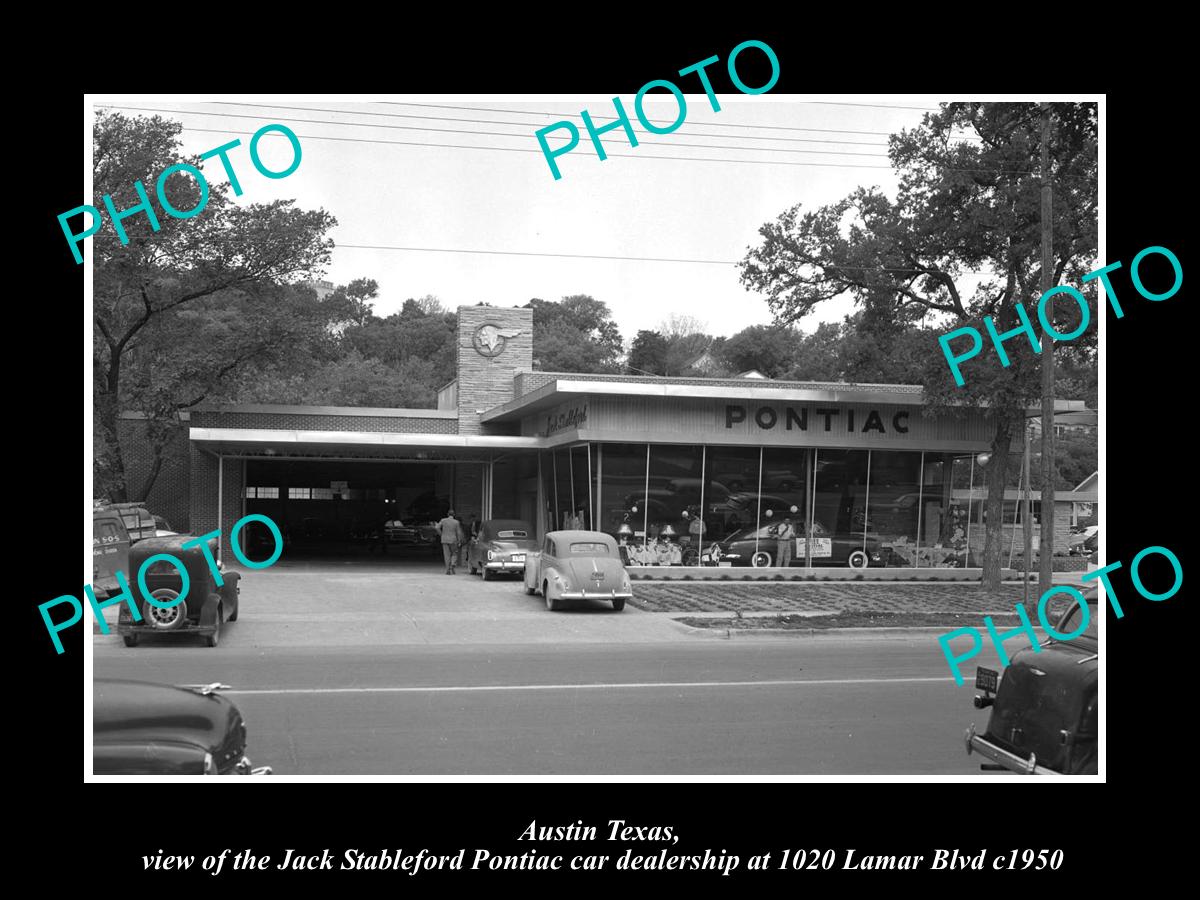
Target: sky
column 415, row 195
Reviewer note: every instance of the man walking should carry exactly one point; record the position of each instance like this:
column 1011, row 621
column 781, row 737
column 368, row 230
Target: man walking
column 451, row 533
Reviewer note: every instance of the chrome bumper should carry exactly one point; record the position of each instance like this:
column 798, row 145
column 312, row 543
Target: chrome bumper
column 984, row 747
column 506, row 565
column 595, row 595
column 245, row 767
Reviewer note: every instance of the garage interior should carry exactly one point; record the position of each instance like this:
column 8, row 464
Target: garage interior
column 338, row 508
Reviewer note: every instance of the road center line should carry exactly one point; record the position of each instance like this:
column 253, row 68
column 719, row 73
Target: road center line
column 578, row 687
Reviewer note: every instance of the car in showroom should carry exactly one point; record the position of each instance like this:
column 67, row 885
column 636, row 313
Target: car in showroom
column 200, row 609
column 577, row 565
column 758, row 547
column 139, row 728
column 1045, row 707
column 502, row 546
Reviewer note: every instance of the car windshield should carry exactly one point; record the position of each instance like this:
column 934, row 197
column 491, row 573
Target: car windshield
column 589, row 548
column 510, row 535
column 1070, row 622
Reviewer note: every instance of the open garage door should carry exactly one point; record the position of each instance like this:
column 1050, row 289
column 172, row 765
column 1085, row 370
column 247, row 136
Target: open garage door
column 341, row 509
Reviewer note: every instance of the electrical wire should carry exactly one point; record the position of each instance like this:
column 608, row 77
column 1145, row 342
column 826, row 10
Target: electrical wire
column 184, row 112
column 747, row 137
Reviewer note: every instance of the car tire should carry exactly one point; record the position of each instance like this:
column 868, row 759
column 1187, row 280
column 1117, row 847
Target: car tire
column 165, row 619
column 552, row 603
column 858, row 559
column 487, row 574
column 618, row 604
column 761, row 560
column 131, row 640
column 213, row 639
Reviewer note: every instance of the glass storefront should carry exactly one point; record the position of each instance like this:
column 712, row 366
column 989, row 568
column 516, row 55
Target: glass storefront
column 695, row 505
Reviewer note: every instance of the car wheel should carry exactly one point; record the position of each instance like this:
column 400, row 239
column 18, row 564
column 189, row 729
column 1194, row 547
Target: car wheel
column 215, row 638
column 618, row 604
column 487, row 574
column 131, row 640
column 552, row 603
column 165, row 619
column 858, row 560
column 761, row 559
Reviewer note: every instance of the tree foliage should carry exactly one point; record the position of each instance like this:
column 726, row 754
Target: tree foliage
column 180, row 311
column 576, row 334
column 961, row 240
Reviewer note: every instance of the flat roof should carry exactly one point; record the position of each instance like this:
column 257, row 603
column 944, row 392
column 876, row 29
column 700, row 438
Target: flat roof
column 565, row 386
column 291, row 441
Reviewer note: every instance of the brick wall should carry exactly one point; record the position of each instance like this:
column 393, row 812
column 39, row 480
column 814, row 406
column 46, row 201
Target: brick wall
column 325, row 422
column 485, row 382
column 169, row 494
column 205, row 467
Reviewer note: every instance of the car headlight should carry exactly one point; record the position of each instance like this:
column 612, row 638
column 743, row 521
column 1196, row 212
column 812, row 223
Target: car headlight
column 491, row 555
column 210, row 767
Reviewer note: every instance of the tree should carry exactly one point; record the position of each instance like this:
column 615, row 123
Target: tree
column 959, row 242
column 770, row 350
column 576, row 334
column 648, row 354
column 687, row 340
column 242, row 255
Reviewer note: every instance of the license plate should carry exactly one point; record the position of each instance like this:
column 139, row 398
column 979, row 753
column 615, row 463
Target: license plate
column 986, row 679
column 518, row 557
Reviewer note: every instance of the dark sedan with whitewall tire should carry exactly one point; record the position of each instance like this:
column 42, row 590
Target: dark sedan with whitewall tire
column 139, row 728
column 577, row 565
column 201, row 609
column 760, row 548
column 502, row 546
column 1045, row 707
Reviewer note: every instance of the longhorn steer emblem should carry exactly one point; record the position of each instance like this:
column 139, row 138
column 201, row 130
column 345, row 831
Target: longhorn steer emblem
column 490, row 340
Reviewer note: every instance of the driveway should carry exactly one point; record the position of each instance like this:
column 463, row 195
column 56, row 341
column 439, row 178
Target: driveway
column 295, row 604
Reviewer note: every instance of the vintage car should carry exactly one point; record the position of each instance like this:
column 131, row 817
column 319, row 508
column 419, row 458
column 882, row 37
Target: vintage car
column 411, row 537
column 759, row 548
column 156, row 729
column 577, row 565
column 205, row 605
column 1045, row 708
column 502, row 546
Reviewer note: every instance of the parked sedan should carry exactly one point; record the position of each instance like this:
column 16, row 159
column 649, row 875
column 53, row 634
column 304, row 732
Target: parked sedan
column 577, row 565
column 200, row 609
column 502, row 546
column 1045, row 708
column 140, row 728
column 759, row 548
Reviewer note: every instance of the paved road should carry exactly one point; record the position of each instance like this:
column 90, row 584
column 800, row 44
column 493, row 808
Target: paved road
column 746, row 706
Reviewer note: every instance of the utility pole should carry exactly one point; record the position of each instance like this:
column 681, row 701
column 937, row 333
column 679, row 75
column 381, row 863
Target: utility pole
column 1046, row 550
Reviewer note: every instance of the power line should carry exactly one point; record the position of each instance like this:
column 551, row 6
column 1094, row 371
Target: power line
column 872, row 105
column 715, row 262
column 530, row 112
column 184, row 112
column 749, row 137
column 761, row 162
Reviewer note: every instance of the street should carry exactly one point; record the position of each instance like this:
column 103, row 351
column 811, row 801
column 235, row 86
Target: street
column 675, row 704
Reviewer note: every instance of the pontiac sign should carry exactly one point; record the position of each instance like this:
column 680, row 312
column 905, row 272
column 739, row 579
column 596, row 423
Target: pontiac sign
column 831, row 418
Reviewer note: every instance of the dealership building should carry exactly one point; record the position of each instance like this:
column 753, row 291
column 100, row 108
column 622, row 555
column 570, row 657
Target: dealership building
column 670, row 466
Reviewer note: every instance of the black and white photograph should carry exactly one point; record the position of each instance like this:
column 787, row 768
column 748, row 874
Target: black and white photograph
column 701, row 432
